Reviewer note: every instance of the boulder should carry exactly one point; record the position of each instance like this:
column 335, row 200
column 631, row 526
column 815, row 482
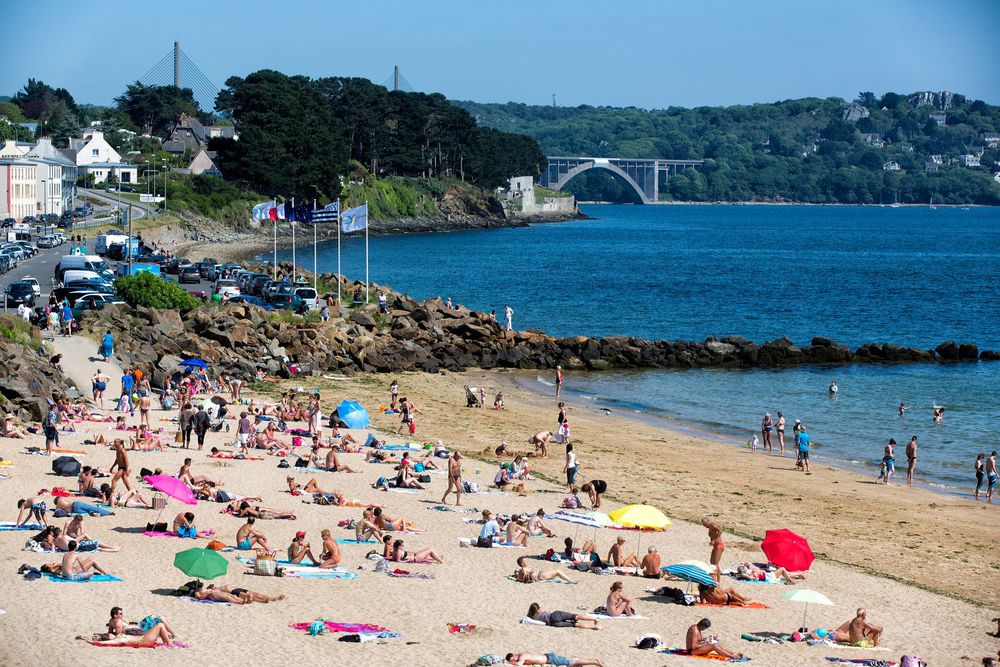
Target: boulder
column 947, row 351
column 968, row 352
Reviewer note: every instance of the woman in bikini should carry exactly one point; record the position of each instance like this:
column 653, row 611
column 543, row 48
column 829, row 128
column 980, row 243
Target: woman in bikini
column 516, row 533
column 719, row 595
column 387, row 523
column 330, row 557
column 526, row 575
column 399, row 555
column 245, row 594
column 156, row 633
column 715, row 539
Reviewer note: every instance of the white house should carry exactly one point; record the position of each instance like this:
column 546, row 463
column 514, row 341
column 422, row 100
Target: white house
column 969, row 160
column 94, row 155
column 59, row 174
column 12, row 150
column 892, row 165
column 17, row 189
column 996, row 177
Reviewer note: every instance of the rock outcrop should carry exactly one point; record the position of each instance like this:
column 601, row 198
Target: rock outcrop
column 27, row 379
column 428, row 336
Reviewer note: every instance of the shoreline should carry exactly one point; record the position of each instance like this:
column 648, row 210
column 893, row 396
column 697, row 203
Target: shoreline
column 779, row 203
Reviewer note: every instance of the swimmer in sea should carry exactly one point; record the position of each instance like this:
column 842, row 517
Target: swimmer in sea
column 834, row 388
column 902, row 409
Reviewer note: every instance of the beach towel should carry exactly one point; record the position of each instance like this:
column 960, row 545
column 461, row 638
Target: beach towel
column 352, row 628
column 405, row 574
column 202, row 534
column 602, row 613
column 547, row 581
column 471, row 542
column 299, row 571
column 460, row 510
column 311, row 469
column 581, row 519
column 341, row 540
column 867, row 662
column 455, row 628
column 838, row 645
column 191, row 599
column 527, row 620
column 11, row 525
column 96, row 578
column 233, row 458
column 684, row 652
column 752, row 605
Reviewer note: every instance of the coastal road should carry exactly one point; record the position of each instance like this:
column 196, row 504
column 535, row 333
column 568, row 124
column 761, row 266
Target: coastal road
column 41, row 267
column 111, row 199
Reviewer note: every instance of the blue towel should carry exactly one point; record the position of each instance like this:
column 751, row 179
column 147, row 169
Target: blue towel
column 341, row 540
column 96, row 577
column 9, row 525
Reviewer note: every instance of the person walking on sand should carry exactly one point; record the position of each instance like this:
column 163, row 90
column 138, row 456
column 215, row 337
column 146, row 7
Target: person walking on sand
column 888, row 461
column 714, row 539
column 99, row 383
column 508, row 315
column 780, row 428
column 454, row 478
column 121, row 469
column 802, row 445
column 766, row 426
column 107, row 348
column 911, row 459
column 393, row 394
column 559, row 380
column 201, row 424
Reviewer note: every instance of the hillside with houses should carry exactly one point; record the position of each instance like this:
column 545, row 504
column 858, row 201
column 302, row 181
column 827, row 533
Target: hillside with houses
column 917, row 148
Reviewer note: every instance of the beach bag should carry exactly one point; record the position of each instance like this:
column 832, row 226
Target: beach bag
column 159, row 501
column 912, row 661
column 323, row 499
column 283, row 464
column 382, row 565
column 296, row 441
column 266, row 563
column 301, row 463
column 647, row 641
column 471, row 487
column 215, row 545
column 489, row 659
column 424, row 479
column 156, row 527
column 178, row 438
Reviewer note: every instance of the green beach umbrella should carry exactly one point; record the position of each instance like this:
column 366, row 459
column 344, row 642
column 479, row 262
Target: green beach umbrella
column 808, row 597
column 201, row 563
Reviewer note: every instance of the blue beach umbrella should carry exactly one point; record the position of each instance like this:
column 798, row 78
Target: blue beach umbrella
column 352, row 414
column 691, row 573
column 193, row 363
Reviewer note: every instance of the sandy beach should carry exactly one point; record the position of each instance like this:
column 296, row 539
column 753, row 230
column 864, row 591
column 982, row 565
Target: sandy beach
column 907, row 555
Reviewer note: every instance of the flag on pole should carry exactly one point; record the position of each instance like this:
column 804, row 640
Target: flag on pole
column 279, row 212
column 354, row 219
column 262, row 211
column 328, row 213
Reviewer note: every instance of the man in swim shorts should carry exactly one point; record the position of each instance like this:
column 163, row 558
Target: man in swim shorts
column 248, row 537
column 454, row 478
column 858, row 632
column 911, row 459
column 698, row 644
column 991, row 476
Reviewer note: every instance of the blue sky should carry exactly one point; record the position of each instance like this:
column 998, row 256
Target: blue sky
column 645, row 53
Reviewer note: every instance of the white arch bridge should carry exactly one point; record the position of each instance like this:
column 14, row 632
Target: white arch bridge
column 641, row 176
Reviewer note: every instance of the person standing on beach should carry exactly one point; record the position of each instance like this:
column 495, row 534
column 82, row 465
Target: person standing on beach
column 393, row 394
column 980, row 473
column 454, row 478
column 201, row 424
column 508, row 314
column 889, row 460
column 124, row 470
column 570, row 468
column 991, row 477
column 780, row 428
column 559, row 380
column 766, row 426
column 715, row 539
column 911, row 459
column 802, row 444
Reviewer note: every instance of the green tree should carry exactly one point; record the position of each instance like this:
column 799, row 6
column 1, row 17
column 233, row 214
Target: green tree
column 37, row 99
column 155, row 109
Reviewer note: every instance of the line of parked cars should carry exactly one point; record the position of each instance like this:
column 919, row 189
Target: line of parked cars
column 260, row 289
column 13, row 252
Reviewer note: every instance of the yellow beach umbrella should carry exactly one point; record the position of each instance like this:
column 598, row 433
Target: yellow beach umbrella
column 644, row 517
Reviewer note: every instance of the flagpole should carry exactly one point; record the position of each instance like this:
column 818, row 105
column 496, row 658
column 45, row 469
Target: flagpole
column 314, row 255
column 338, row 252
column 292, row 225
column 366, row 251
column 274, row 227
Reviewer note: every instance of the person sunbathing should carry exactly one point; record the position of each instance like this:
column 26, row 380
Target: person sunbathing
column 367, row 528
column 618, row 603
column 406, row 480
column 378, row 456
column 400, row 555
column 720, row 595
column 388, row 523
column 243, row 508
column 156, row 633
column 75, row 568
column 332, row 462
column 516, row 533
column 184, row 475
column 184, row 525
column 117, row 626
column 697, row 643
column 74, row 531
column 263, row 441
column 523, row 658
column 562, row 619
column 330, row 557
column 617, row 559
column 750, row 572
column 248, row 537
column 536, row 527
column 299, row 549
column 217, row 595
column 130, row 498
column 588, row 552
column 526, row 575
column 144, row 440
column 650, row 566
column 858, row 631
column 244, row 594
column 312, row 486
column 11, row 431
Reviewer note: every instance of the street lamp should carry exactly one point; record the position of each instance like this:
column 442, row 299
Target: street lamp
column 45, row 201
column 164, row 186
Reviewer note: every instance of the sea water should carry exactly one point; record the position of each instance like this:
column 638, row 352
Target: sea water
column 912, row 276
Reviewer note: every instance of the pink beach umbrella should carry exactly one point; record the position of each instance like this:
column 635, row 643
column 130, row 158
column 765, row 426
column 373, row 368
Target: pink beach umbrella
column 173, row 487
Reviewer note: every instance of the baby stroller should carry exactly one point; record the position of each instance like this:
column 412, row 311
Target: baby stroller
column 471, row 400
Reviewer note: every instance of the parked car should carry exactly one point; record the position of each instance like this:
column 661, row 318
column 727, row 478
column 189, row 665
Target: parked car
column 59, row 237
column 7, row 222
column 29, row 249
column 20, row 292
column 189, row 274
column 50, row 218
column 257, row 286
column 47, row 242
column 10, row 255
column 226, row 288
column 309, row 296
column 6, row 263
column 13, row 249
column 34, row 284
column 289, row 302
column 253, row 301
column 29, row 220
column 174, row 265
column 207, row 270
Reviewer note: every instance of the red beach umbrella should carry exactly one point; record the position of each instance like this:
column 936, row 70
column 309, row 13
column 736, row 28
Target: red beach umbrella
column 788, row 550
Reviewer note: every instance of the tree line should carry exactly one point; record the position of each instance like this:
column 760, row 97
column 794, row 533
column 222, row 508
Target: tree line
column 808, row 150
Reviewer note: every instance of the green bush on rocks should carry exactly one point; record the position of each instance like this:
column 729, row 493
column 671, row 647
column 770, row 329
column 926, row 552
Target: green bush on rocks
column 146, row 289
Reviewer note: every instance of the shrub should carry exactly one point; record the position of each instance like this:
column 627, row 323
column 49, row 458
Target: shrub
column 146, row 289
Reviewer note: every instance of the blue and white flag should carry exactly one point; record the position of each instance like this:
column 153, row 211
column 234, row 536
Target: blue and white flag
column 329, row 213
column 354, row 219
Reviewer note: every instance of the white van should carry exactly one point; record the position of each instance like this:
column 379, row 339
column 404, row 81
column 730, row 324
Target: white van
column 74, row 275
column 83, row 263
column 307, row 294
column 105, row 241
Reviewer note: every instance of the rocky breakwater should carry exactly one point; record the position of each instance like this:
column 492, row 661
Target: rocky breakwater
column 428, row 336
column 27, row 379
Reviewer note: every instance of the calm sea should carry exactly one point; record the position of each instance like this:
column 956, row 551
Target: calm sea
column 913, row 276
